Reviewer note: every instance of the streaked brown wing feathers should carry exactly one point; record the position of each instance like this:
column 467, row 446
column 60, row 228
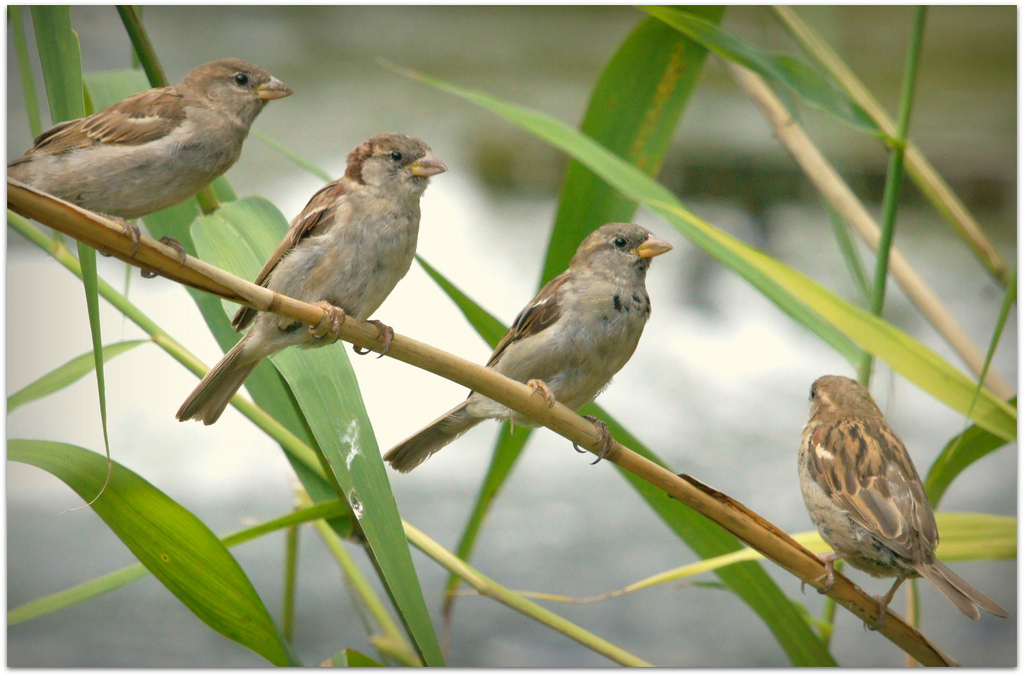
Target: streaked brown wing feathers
column 541, row 313
column 145, row 117
column 865, row 469
column 319, row 213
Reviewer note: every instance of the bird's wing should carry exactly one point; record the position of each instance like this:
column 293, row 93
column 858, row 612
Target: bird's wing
column 320, row 212
column 543, row 311
column 141, row 118
column 865, row 469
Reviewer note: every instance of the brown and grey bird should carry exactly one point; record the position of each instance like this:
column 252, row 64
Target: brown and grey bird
column 867, row 500
column 567, row 343
column 154, row 149
column 346, row 251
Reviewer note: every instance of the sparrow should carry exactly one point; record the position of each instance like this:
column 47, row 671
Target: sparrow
column 154, row 149
column 345, row 252
column 867, row 500
column 567, row 343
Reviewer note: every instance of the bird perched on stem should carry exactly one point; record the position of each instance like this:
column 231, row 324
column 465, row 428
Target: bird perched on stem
column 867, row 500
column 567, row 343
column 346, row 251
column 154, row 149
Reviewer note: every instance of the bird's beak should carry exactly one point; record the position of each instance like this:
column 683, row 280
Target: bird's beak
column 275, row 89
column 651, row 247
column 428, row 165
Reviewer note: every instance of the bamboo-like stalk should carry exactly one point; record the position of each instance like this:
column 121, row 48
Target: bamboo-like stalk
column 291, row 444
column 928, row 180
column 720, row 508
column 832, row 187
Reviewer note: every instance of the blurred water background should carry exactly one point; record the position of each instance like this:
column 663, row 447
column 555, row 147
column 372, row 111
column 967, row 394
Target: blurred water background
column 718, row 386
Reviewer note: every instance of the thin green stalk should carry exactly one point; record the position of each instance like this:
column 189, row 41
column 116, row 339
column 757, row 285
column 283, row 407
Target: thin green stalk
column 849, row 251
column 490, row 588
column 371, row 602
column 894, row 177
column 28, row 83
column 291, row 570
column 208, row 202
column 1004, row 312
column 913, row 614
column 290, row 154
column 142, row 45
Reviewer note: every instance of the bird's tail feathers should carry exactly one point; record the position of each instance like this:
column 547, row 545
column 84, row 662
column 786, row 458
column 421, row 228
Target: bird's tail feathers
column 408, row 454
column 961, row 594
column 212, row 394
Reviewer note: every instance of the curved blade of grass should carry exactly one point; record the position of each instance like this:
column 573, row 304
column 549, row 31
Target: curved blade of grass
column 961, row 452
column 62, row 376
column 813, row 88
column 121, row 578
column 633, row 112
column 170, row 541
column 706, row 538
column 974, row 443
column 965, row 537
column 828, row 316
column 239, row 237
column 61, row 61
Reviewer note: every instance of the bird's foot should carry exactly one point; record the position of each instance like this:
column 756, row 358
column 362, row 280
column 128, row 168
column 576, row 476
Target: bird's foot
column 604, row 438
column 830, row 572
column 539, row 386
column 883, row 604
column 132, row 232
column 329, row 325
column 174, row 244
column 383, row 331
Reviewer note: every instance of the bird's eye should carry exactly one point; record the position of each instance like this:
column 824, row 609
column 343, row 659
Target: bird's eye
column 812, row 394
column 242, row 79
column 396, row 156
column 620, row 242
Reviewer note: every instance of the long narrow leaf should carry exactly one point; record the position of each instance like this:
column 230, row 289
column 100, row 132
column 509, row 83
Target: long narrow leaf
column 961, row 452
column 812, row 87
column 62, row 376
column 170, row 541
column 61, row 62
column 633, row 112
column 830, row 317
column 239, row 237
